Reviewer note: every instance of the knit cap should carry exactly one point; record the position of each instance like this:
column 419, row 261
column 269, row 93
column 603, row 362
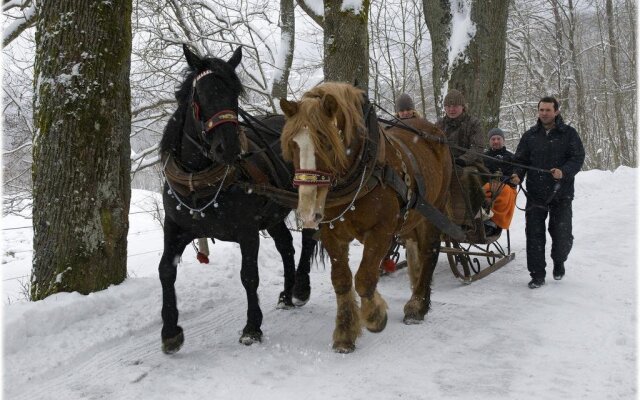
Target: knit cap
column 496, row 132
column 404, row 103
column 454, row 98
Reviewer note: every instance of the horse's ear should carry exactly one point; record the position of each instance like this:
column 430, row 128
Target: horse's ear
column 193, row 60
column 234, row 61
column 289, row 108
column 330, row 104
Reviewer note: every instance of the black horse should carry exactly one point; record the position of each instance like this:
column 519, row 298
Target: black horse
column 203, row 160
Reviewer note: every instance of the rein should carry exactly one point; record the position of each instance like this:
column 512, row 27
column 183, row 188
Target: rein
column 250, row 120
column 400, row 124
column 556, row 189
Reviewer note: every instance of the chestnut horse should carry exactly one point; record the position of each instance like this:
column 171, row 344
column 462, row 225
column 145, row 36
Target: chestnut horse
column 359, row 181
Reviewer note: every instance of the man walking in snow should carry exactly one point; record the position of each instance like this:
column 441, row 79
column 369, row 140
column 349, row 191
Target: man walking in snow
column 553, row 146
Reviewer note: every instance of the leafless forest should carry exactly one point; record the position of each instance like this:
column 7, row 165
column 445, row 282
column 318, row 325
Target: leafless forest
column 581, row 51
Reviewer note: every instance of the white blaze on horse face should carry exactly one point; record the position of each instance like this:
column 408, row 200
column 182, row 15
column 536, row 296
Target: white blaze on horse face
column 307, row 194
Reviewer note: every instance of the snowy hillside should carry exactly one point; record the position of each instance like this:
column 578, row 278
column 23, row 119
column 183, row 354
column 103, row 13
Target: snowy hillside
column 493, row 339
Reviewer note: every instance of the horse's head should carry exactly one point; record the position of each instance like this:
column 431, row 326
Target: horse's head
column 317, row 136
column 214, row 89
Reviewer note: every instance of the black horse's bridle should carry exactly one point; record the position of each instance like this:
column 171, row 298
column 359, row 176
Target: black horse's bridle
column 206, row 126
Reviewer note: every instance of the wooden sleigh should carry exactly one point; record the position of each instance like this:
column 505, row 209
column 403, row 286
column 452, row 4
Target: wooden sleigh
column 479, row 254
column 475, row 256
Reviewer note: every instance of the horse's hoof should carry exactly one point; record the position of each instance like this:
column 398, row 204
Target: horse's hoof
column 344, row 348
column 249, row 338
column 301, row 291
column 300, row 302
column 380, row 327
column 284, row 302
column 412, row 320
column 174, row 344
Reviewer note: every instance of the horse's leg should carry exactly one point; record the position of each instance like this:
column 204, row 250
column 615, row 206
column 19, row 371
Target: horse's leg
column 302, row 286
column 284, row 244
column 373, row 306
column 347, row 317
column 422, row 257
column 174, row 244
column 250, row 278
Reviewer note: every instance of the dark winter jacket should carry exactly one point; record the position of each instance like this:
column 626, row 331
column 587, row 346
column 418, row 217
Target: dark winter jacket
column 561, row 148
column 464, row 131
column 500, row 155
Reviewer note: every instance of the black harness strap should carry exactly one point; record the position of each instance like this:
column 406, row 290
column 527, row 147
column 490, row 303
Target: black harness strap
column 283, row 172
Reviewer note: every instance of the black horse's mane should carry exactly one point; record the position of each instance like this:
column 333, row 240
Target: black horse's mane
column 172, row 135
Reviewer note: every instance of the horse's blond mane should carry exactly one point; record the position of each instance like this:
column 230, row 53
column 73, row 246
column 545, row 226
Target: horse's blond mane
column 329, row 141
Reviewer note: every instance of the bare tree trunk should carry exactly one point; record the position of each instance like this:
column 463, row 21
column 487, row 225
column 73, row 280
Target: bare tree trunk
column 625, row 151
column 481, row 77
column 561, row 73
column 81, row 152
column 346, row 44
column 287, row 40
column 608, row 124
column 577, row 75
column 438, row 16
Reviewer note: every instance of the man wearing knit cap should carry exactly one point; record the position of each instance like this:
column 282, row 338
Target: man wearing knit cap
column 466, row 141
column 500, row 193
column 405, row 107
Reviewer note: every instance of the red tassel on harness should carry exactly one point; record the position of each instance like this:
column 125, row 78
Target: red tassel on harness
column 202, row 258
column 389, row 265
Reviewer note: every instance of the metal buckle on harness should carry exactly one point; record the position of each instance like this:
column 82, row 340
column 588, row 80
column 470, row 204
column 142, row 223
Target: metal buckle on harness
column 308, row 177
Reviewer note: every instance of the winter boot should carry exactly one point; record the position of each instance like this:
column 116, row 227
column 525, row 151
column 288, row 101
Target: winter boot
column 536, row 283
column 558, row 271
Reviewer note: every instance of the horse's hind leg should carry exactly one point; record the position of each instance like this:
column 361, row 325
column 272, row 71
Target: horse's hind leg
column 284, row 244
column 174, row 244
column 302, row 286
column 249, row 246
column 422, row 256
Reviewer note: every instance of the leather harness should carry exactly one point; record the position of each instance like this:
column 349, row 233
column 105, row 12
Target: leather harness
column 369, row 172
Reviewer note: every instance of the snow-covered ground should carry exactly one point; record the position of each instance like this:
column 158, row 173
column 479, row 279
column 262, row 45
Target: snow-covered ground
column 493, row 339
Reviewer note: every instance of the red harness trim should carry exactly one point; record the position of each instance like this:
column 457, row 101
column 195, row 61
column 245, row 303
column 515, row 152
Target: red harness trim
column 309, row 177
column 223, row 117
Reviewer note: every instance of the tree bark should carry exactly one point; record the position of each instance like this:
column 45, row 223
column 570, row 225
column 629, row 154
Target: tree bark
column 287, row 39
column 346, row 44
column 438, row 17
column 81, row 151
column 481, row 77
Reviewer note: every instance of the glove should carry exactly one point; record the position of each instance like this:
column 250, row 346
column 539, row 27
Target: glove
column 461, row 162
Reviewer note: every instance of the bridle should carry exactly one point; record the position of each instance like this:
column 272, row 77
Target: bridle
column 309, row 177
column 226, row 116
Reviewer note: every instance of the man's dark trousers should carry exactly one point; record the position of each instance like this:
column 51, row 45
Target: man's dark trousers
column 560, row 215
